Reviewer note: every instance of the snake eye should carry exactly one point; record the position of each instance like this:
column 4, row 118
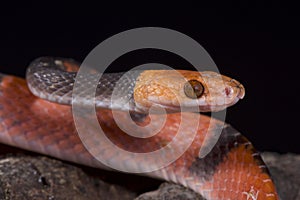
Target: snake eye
column 193, row 89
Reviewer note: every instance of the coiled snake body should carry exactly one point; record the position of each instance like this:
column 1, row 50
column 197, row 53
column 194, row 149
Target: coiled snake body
column 232, row 170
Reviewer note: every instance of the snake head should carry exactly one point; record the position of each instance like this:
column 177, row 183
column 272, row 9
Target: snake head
column 181, row 90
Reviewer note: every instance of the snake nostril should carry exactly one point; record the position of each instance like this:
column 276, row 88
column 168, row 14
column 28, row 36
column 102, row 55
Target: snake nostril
column 228, row 91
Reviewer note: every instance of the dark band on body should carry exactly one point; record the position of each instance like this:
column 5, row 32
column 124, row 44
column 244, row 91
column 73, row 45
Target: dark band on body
column 229, row 140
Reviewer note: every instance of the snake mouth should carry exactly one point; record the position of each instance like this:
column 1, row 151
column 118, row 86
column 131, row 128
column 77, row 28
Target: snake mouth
column 194, row 109
column 199, row 108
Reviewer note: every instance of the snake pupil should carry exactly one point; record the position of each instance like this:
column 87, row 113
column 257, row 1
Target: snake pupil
column 193, row 89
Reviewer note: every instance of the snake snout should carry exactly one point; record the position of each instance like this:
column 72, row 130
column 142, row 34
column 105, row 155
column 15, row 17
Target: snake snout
column 242, row 91
column 240, row 87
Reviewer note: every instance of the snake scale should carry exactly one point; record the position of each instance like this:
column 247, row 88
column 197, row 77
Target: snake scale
column 232, row 170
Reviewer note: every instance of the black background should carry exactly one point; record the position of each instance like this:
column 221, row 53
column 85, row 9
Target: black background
column 256, row 43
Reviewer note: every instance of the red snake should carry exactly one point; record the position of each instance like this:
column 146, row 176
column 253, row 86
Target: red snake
column 232, row 170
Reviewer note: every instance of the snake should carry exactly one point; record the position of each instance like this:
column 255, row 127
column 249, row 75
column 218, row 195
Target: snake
column 36, row 115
